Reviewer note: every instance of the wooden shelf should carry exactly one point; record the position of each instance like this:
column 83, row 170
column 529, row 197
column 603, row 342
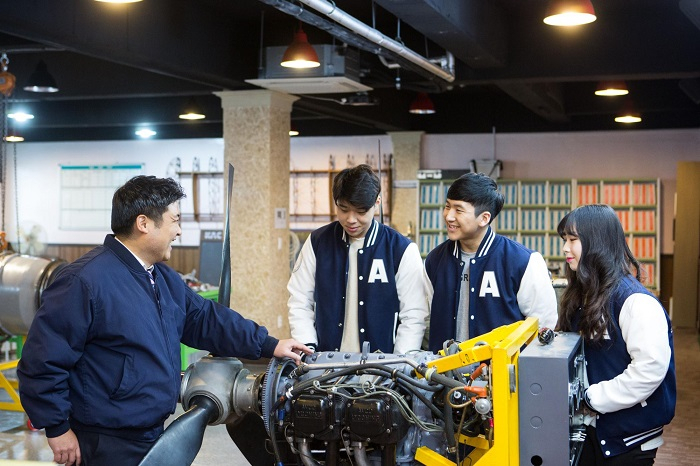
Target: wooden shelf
column 327, row 176
column 197, row 216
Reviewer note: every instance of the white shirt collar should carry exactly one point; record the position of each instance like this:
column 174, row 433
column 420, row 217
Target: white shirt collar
column 143, row 264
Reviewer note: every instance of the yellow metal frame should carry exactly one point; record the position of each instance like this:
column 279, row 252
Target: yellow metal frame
column 11, row 387
column 502, row 346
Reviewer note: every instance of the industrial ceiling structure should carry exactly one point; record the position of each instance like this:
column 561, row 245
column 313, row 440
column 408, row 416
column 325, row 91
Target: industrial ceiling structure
column 120, row 66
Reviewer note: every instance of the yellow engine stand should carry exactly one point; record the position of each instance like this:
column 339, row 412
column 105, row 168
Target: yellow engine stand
column 502, row 346
column 11, row 386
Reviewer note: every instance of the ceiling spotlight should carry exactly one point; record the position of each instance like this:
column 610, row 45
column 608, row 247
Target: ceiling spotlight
column 422, row 105
column 611, row 88
column 20, row 116
column 145, row 133
column 118, row 1
column 569, row 13
column 628, row 113
column 300, row 54
column 628, row 118
column 192, row 111
column 13, row 138
column 41, row 80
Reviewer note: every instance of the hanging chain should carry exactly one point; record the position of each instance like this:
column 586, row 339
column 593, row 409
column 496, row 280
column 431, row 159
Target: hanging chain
column 16, row 183
column 3, row 152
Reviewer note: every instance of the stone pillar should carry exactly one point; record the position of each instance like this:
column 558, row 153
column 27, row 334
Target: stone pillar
column 407, row 153
column 256, row 142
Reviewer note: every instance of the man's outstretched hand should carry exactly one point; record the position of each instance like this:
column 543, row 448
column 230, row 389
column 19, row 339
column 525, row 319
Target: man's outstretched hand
column 291, row 348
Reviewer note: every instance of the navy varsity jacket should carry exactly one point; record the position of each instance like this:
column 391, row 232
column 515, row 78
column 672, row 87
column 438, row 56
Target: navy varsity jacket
column 392, row 287
column 624, row 429
column 508, row 282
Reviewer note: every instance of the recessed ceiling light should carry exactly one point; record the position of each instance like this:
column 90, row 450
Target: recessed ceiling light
column 611, row 88
column 145, row 133
column 191, row 116
column 20, row 116
column 631, row 118
column 569, row 13
column 13, row 138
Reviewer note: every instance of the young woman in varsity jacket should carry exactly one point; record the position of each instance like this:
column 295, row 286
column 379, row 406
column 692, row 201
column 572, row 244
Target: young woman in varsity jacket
column 628, row 341
column 357, row 280
column 480, row 279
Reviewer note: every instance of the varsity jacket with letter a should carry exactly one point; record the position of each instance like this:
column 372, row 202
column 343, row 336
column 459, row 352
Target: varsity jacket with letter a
column 632, row 373
column 507, row 282
column 391, row 293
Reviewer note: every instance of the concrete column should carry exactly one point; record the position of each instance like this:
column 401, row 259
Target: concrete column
column 407, row 154
column 256, row 142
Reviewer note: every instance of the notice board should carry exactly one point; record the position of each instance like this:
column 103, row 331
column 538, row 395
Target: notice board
column 86, row 194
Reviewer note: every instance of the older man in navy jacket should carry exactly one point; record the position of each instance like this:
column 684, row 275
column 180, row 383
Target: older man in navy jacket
column 100, row 370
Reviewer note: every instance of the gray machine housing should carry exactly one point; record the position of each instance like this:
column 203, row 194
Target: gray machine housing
column 552, row 381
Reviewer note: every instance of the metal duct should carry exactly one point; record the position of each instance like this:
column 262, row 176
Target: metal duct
column 329, row 9
column 23, row 279
column 355, row 40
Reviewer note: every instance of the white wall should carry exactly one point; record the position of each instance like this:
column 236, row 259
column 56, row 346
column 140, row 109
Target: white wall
column 615, row 154
column 38, row 179
column 314, row 153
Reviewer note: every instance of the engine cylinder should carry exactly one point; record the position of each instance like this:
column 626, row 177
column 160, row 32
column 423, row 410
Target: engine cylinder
column 22, row 283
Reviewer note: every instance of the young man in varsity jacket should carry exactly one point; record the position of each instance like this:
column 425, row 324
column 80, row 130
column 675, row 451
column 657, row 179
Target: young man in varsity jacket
column 480, row 279
column 357, row 280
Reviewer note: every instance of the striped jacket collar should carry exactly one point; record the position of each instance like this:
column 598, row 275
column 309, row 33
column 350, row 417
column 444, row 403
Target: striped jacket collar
column 484, row 247
column 370, row 237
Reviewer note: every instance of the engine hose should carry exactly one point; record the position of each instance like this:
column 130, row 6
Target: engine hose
column 412, row 388
column 305, row 453
column 299, row 388
column 432, row 375
column 449, row 351
column 449, row 426
column 273, row 442
column 414, row 382
column 404, row 380
column 359, row 452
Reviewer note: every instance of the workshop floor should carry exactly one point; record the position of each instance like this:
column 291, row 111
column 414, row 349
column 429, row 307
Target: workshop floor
column 681, row 447
column 19, row 443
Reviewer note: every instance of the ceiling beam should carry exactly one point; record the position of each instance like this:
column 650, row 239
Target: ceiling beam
column 475, row 33
column 173, row 45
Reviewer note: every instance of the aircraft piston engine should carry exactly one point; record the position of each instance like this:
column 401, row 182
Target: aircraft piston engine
column 365, row 408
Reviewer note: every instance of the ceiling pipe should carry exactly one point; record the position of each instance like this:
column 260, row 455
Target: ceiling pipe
column 373, row 35
column 352, row 39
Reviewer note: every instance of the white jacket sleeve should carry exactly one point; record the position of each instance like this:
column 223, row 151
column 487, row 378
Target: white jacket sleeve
column 301, row 286
column 412, row 286
column 536, row 296
column 645, row 331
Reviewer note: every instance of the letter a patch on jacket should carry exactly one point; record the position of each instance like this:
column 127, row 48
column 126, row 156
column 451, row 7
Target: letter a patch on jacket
column 489, row 285
column 377, row 272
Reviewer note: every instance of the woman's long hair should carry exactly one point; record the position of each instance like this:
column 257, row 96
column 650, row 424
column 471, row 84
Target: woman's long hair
column 605, row 260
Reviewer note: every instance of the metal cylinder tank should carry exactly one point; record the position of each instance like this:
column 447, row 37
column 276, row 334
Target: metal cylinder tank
column 22, row 282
